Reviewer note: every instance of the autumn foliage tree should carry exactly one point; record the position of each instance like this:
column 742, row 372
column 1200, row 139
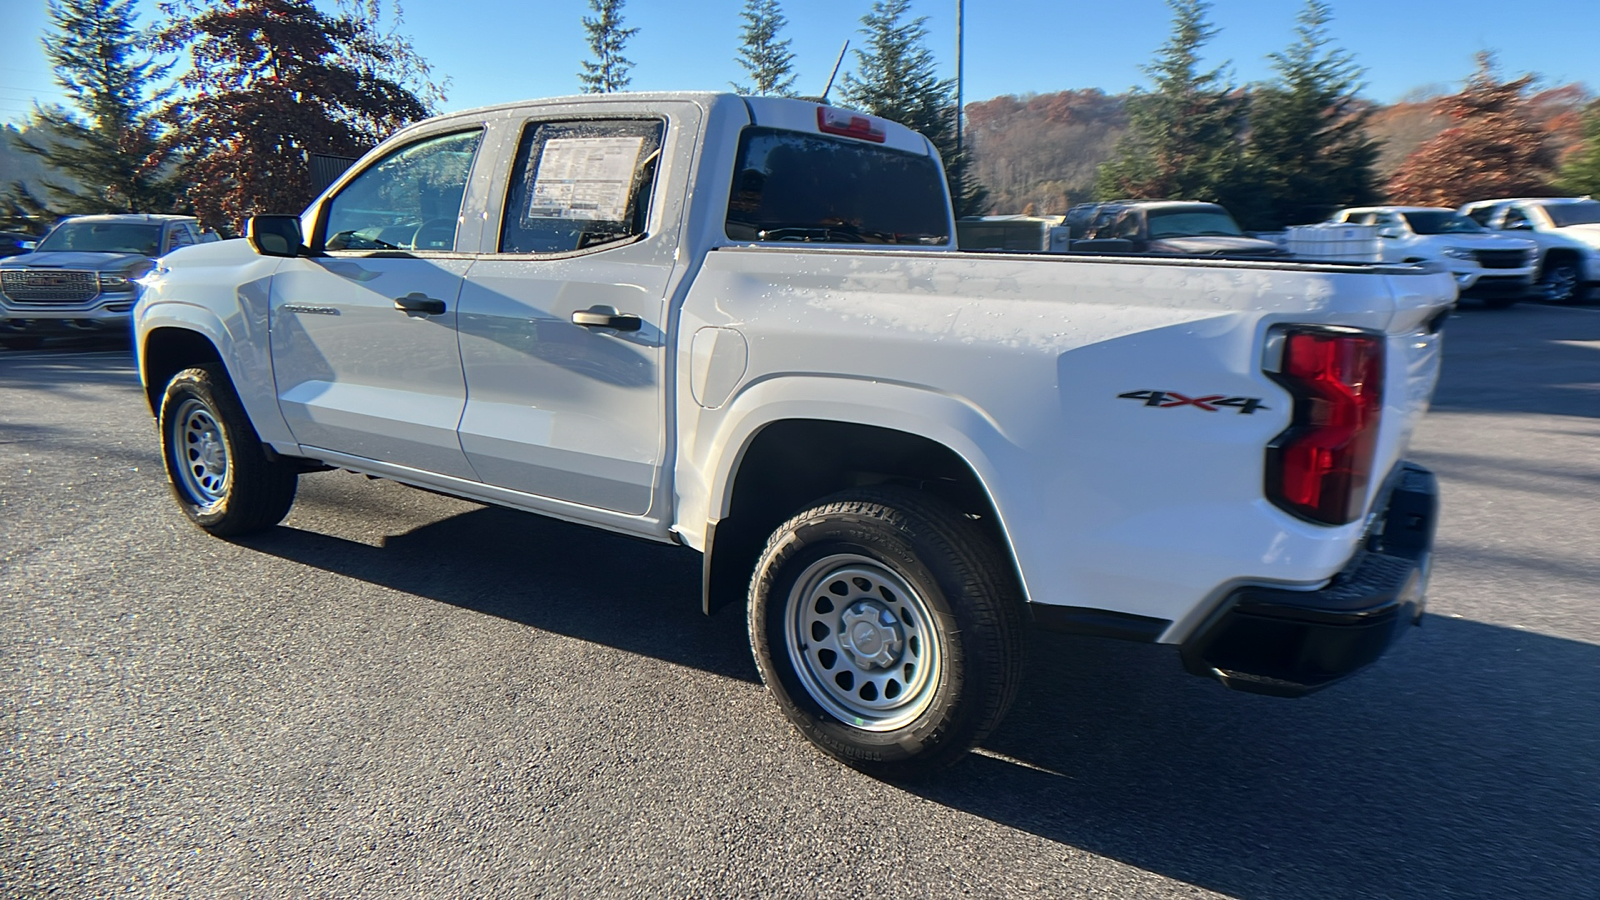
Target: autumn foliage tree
column 1493, row 149
column 270, row 83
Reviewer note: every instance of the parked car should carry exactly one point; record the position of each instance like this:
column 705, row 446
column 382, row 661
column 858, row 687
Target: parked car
column 14, row 243
column 742, row 325
column 1180, row 227
column 80, row 276
column 1566, row 230
column 1490, row 266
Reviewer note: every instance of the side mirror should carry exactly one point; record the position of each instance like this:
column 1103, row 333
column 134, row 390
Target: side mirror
column 1388, row 231
column 275, row 235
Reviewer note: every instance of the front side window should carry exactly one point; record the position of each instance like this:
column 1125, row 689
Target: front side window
column 794, row 186
column 1516, row 220
column 179, row 238
column 409, row 200
column 577, row 185
column 103, row 237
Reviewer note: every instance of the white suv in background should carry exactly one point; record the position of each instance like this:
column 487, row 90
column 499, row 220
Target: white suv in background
column 1495, row 268
column 1567, row 230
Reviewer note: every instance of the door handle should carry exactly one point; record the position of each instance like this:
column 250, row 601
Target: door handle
column 606, row 317
column 417, row 302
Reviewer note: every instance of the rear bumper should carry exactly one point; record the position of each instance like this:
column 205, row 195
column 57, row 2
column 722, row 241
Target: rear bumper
column 1288, row 643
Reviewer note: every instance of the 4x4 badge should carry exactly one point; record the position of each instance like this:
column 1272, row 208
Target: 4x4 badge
column 1211, row 403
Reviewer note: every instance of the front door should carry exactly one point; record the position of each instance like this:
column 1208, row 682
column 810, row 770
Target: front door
column 364, row 343
column 562, row 323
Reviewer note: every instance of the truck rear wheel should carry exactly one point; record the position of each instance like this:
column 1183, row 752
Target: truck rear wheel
column 888, row 629
column 220, row 473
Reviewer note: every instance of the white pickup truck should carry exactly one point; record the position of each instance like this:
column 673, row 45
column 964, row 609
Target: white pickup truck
column 1488, row 266
column 742, row 325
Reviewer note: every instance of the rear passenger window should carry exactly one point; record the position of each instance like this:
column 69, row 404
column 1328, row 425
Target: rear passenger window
column 577, row 185
column 792, row 186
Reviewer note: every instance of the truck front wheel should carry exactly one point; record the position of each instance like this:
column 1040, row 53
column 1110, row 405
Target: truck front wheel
column 888, row 628
column 220, row 473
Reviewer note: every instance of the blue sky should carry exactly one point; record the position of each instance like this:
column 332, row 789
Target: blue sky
column 500, row 50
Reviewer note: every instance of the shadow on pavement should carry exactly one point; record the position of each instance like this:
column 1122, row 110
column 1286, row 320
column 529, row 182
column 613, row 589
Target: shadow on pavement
column 1466, row 764
column 566, row 579
column 1551, row 365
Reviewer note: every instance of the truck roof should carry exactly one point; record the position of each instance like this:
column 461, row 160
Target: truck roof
column 788, row 113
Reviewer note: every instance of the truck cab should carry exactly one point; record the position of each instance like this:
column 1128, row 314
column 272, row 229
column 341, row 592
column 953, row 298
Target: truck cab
column 1566, row 231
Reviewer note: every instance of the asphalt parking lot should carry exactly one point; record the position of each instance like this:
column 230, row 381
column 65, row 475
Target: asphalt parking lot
column 399, row 694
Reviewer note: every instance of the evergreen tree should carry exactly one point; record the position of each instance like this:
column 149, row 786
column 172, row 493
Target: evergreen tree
column 895, row 80
column 1184, row 136
column 107, row 146
column 1580, row 174
column 270, row 83
column 766, row 58
column 1494, row 149
column 609, row 70
column 1308, row 150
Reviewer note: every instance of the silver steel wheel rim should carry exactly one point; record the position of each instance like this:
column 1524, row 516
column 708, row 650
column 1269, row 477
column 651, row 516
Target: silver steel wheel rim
column 863, row 642
column 200, row 453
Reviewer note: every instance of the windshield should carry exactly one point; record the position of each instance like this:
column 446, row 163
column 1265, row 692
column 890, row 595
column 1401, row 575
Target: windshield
column 1192, row 221
column 104, row 237
column 791, row 186
column 1442, row 221
column 1586, row 212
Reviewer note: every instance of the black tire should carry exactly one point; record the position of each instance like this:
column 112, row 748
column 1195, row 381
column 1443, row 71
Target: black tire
column 1560, row 282
column 961, row 667
column 220, row 472
column 22, row 342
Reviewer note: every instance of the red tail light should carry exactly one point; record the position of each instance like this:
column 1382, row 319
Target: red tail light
column 1320, row 467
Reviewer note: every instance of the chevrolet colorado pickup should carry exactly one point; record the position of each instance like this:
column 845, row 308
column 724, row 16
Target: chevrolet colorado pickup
column 742, row 325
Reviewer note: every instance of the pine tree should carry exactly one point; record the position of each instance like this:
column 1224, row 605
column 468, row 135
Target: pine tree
column 1184, row 137
column 609, row 70
column 107, row 146
column 1494, row 149
column 1308, row 150
column 270, row 83
column 766, row 58
column 895, row 80
column 1580, row 174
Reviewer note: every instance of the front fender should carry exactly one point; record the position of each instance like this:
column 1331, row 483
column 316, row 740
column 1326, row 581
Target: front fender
column 227, row 305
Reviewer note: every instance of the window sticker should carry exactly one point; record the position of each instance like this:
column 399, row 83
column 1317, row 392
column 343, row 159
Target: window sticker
column 585, row 178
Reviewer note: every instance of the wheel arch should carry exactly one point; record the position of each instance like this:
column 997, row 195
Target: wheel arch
column 173, row 335
column 783, row 455
column 167, row 350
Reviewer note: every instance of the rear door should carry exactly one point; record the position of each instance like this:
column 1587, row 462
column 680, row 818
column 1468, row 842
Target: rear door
column 563, row 319
column 364, row 331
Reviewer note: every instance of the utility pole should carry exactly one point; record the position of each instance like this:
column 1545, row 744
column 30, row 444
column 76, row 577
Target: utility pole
column 961, row 163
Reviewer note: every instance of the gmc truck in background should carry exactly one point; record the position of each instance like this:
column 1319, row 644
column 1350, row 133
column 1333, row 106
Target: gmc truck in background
column 742, row 325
